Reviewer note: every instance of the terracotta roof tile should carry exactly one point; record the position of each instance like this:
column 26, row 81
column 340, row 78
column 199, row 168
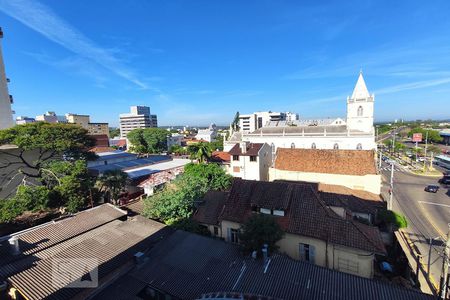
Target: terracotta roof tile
column 221, row 156
column 305, row 213
column 345, row 162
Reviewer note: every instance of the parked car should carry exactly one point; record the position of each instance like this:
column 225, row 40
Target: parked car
column 431, row 188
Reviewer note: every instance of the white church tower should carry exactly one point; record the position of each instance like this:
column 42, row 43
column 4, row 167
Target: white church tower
column 360, row 107
column 6, row 117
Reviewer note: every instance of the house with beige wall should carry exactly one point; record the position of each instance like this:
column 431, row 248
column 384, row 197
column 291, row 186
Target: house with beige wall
column 250, row 161
column 313, row 231
column 353, row 169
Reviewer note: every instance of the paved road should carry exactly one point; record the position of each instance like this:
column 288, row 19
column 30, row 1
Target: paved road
column 427, row 213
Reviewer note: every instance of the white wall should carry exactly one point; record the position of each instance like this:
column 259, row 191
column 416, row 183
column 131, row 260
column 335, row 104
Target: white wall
column 252, row 170
column 322, row 142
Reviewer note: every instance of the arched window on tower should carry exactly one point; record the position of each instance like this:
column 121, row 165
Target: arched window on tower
column 313, row 146
column 336, row 146
column 292, row 146
column 360, row 111
column 359, row 146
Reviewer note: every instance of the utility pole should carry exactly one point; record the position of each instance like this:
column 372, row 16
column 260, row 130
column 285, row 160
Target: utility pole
column 426, row 146
column 379, row 160
column 393, row 143
column 391, row 191
column 445, row 263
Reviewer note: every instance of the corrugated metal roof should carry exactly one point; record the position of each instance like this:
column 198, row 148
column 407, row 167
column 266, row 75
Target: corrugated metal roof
column 186, row 266
column 112, row 245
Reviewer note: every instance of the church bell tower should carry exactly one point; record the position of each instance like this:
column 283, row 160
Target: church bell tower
column 360, row 107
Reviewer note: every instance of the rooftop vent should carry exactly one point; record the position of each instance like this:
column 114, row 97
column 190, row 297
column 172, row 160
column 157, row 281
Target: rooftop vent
column 14, row 245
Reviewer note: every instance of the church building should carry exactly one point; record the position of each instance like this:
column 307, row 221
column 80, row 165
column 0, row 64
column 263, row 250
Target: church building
column 354, row 132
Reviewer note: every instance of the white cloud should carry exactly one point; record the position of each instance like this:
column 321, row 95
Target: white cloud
column 42, row 19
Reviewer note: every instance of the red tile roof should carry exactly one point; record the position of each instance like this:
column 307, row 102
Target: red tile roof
column 345, row 162
column 305, row 213
column 252, row 149
column 220, row 156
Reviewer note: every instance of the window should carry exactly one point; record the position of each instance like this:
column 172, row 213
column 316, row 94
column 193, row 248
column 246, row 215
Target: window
column 360, row 111
column 265, row 211
column 260, row 124
column 235, row 157
column 216, row 230
column 252, row 158
column 336, row 146
column 292, row 146
column 233, row 235
column 307, row 252
column 313, row 146
column 359, row 146
column 278, row 213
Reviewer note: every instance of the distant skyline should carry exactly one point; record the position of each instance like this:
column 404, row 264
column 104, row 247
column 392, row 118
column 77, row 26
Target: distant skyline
column 199, row 62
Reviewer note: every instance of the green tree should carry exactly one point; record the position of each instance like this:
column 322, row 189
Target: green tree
column 27, row 198
column 72, row 182
column 200, row 151
column 112, row 183
column 113, row 132
column 47, row 142
column 211, row 175
column 260, row 229
column 148, row 140
column 433, row 135
column 175, row 203
column 217, row 145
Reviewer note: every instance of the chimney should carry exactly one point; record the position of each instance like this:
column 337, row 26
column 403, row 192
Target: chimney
column 14, row 245
column 243, row 146
column 265, row 255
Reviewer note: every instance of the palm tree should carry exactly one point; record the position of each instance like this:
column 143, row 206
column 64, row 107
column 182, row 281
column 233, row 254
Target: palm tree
column 112, row 183
column 200, row 151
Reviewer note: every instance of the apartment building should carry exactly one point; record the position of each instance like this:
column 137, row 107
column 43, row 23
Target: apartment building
column 251, row 122
column 84, row 121
column 139, row 117
column 6, row 113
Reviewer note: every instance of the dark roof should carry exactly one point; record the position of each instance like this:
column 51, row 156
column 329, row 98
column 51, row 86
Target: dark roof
column 112, row 245
column 46, row 235
column 305, row 213
column 209, row 210
column 186, row 266
column 252, row 149
column 344, row 162
column 354, row 200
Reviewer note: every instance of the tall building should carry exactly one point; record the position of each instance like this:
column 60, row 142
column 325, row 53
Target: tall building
column 139, row 117
column 256, row 120
column 6, row 113
column 84, row 121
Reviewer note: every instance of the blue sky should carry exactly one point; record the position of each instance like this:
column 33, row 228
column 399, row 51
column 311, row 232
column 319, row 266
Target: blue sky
column 196, row 62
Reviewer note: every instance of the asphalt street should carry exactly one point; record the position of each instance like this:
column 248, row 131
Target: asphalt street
column 427, row 213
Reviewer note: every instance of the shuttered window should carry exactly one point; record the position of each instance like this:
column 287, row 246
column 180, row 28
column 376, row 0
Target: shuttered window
column 307, row 253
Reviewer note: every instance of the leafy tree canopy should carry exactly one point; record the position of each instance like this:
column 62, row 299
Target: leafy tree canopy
column 433, row 135
column 113, row 132
column 148, row 140
column 260, row 229
column 175, row 203
column 112, row 183
column 214, row 176
column 200, row 151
